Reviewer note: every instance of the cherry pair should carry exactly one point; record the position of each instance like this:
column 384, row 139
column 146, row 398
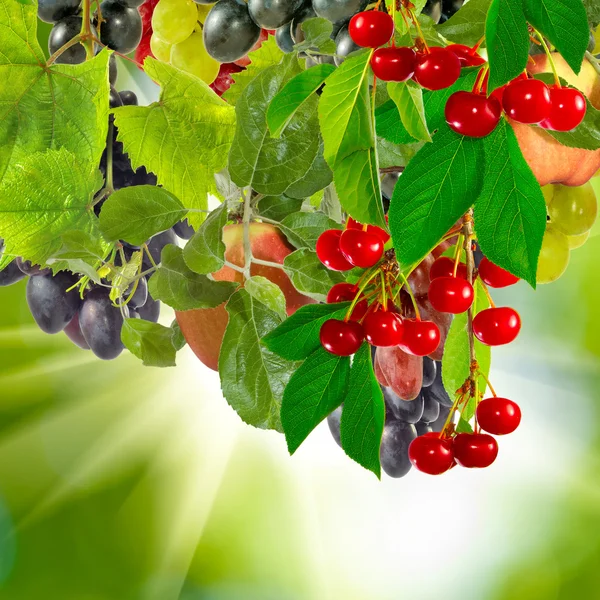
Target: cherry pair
column 343, row 250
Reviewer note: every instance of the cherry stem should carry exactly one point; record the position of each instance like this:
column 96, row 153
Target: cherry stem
column 359, row 294
column 477, row 46
column 550, row 59
column 457, row 255
column 468, row 235
column 459, row 398
column 383, row 291
column 487, row 293
column 394, row 19
column 419, row 31
column 480, row 79
column 412, row 296
column 485, row 378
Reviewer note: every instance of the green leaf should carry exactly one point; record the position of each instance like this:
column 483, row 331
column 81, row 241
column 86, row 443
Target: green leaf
column 182, row 289
column 298, row 336
column 363, row 416
column 463, row 426
column 510, row 212
column 205, row 252
column 395, row 155
column 309, row 275
column 43, row 107
column 317, row 37
column 317, row 388
column 408, row 97
column 507, row 39
column 252, row 377
column 565, row 24
column 436, row 188
column 308, row 226
column 592, row 9
column 88, row 246
column 150, row 342
column 278, row 208
column 267, row 293
column 294, row 94
column 42, row 197
column 134, row 214
column 183, row 138
column 467, row 25
column 316, row 178
column 330, row 204
column 177, row 338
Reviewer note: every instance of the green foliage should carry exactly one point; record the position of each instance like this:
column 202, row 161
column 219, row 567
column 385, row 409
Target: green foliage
column 205, row 252
column 150, row 342
column 408, row 97
column 268, row 293
column 278, row 208
column 467, row 26
column 308, row 226
column 317, row 37
column 309, row 275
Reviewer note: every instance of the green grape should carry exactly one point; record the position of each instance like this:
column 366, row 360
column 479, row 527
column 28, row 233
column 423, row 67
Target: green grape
column 191, row 56
column 548, row 191
column 160, row 49
column 203, row 10
column 576, row 241
column 573, row 210
column 174, row 20
column 554, row 256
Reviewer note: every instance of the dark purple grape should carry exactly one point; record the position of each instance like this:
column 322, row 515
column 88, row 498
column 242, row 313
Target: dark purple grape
column 51, row 11
column 11, row 274
column 439, row 423
column 150, row 311
column 112, row 69
column 429, row 371
column 128, row 98
column 436, row 390
column 121, row 28
column 344, row 45
column 333, row 420
column 114, row 98
column 433, row 9
column 409, row 411
column 156, row 245
column 50, row 304
column 431, row 409
column 271, row 14
column 73, row 331
column 283, row 38
column 338, row 10
column 183, row 230
column 64, row 31
column 423, row 428
column 131, row 3
column 140, row 296
column 393, row 453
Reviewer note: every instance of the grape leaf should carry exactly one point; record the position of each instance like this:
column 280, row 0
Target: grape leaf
column 564, row 23
column 42, row 107
column 363, row 416
column 41, row 198
column 408, row 97
column 467, row 25
column 183, row 138
column 252, row 377
column 278, row 207
column 268, row 293
column 317, row 388
column 510, row 212
column 309, row 275
column 294, row 94
column 507, row 39
column 308, row 226
column 205, row 252
column 435, row 190
column 150, row 342
column 136, row 213
column 88, row 246
column 182, row 289
column 298, row 336
column 317, row 37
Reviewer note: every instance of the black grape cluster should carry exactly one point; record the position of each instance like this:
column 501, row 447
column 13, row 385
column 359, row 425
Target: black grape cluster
column 406, row 420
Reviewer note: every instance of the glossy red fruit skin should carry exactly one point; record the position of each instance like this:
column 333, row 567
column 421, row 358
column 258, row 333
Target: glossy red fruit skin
column 567, row 111
column 444, row 267
column 466, row 56
column 382, row 233
column 371, row 29
column 361, row 248
column 499, row 416
column 473, row 115
column 383, row 328
column 329, row 252
column 498, row 93
column 431, row 454
column 451, row 295
column 420, row 338
column 497, row 326
column 495, row 276
column 394, row 64
column 346, row 292
column 475, row 450
column 527, row 101
column 342, row 338
column 437, row 69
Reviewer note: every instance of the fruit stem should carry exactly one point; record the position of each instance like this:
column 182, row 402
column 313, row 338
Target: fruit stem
column 457, row 255
column 480, row 79
column 468, row 234
column 485, row 378
column 459, row 398
column 419, row 30
column 86, row 32
column 384, row 297
column 63, row 49
column 550, row 59
column 394, row 19
column 412, row 296
column 147, row 251
column 361, row 289
column 487, row 293
column 477, row 46
column 266, row 263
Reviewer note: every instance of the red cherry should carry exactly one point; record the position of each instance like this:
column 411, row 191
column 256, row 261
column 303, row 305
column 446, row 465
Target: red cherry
column 346, row 292
column 329, row 253
column 495, row 276
column 382, row 233
column 499, row 416
column 361, row 248
column 437, row 69
column 450, row 294
column 444, row 267
column 527, row 100
column 383, row 328
column 420, row 337
column 342, row 338
column 431, row 454
column 473, row 115
column 567, row 111
column 497, row 326
column 394, row 64
column 466, row 55
column 498, row 93
column 475, row 450
column 371, row 29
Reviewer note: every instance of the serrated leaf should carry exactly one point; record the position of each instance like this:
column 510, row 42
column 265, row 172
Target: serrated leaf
column 467, row 25
column 41, row 198
column 122, row 277
column 88, row 246
column 136, row 213
column 317, row 388
column 308, row 275
column 278, row 207
column 183, row 138
column 395, row 155
column 182, row 289
column 363, row 416
column 317, row 177
column 308, row 226
column 510, row 212
column 177, row 338
column 150, row 342
column 564, row 23
column 408, row 97
column 252, row 377
column 507, row 40
column 298, row 336
column 294, row 94
column 435, row 190
column 317, row 37
column 42, row 107
column 267, row 293
column 205, row 252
